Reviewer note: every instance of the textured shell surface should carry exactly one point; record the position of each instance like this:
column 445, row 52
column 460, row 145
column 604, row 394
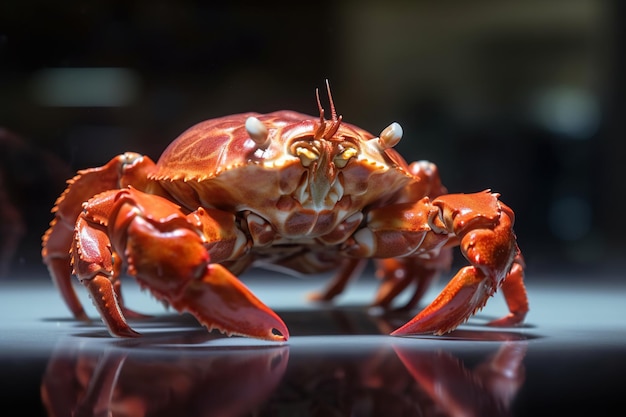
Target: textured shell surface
column 216, row 164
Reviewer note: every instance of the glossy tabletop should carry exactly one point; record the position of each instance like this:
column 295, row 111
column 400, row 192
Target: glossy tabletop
column 569, row 357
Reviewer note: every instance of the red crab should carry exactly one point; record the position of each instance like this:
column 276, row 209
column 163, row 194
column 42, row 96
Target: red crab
column 287, row 189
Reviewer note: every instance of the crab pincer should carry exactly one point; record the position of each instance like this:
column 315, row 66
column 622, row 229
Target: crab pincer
column 484, row 226
column 165, row 253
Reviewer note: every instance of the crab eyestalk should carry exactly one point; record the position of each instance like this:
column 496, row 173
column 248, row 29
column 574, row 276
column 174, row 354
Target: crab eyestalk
column 257, row 130
column 390, row 136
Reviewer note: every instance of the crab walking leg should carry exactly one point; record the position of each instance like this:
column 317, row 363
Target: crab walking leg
column 165, row 251
column 56, row 255
column 514, row 295
column 351, row 268
column 124, row 169
column 397, row 274
column 481, row 225
column 485, row 227
column 93, row 265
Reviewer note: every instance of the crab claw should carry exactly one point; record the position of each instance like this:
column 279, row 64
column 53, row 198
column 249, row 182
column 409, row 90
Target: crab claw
column 169, row 258
column 219, row 300
column 484, row 226
column 165, row 253
column 466, row 293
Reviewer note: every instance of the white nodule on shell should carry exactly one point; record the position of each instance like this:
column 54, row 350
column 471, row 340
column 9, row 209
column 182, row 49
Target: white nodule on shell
column 257, row 130
column 390, row 136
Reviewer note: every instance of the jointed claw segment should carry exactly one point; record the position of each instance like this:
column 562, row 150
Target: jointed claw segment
column 166, row 254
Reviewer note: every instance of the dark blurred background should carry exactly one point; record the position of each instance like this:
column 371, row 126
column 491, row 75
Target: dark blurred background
column 524, row 97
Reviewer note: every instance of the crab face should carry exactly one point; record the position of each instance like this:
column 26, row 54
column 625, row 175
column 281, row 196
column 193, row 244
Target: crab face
column 302, row 175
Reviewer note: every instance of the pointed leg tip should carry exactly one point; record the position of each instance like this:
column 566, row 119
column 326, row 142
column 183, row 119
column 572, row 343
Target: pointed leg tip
column 314, row 297
column 403, row 331
column 318, row 297
column 398, row 332
column 511, row 320
column 409, row 329
column 429, row 326
column 124, row 333
column 82, row 316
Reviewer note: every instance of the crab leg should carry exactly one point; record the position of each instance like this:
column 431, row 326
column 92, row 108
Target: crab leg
column 488, row 242
column 128, row 168
column 165, row 251
column 396, row 274
column 350, row 269
column 514, row 295
column 482, row 226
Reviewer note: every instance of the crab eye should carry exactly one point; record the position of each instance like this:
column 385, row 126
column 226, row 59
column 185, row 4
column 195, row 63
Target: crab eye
column 307, row 154
column 390, row 136
column 342, row 158
column 257, row 131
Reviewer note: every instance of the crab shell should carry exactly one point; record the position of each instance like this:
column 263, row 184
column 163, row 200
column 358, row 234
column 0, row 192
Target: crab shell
column 303, row 176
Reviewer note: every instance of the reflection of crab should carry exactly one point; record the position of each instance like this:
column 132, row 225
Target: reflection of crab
column 131, row 383
column 399, row 380
column 285, row 189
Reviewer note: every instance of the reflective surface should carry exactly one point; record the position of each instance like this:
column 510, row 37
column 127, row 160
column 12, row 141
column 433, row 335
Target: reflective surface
column 386, row 380
column 339, row 361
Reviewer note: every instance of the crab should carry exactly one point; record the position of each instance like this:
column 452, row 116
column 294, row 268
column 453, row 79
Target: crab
column 282, row 189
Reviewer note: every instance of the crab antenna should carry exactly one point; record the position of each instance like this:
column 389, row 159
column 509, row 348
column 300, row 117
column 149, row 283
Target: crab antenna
column 333, row 129
column 333, row 113
column 319, row 105
column 320, row 130
column 335, row 120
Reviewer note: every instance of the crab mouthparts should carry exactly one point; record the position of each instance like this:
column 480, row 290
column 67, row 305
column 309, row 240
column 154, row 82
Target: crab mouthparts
column 319, row 191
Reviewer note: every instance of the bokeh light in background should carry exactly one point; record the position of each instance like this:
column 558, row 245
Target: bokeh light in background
column 523, row 97
column 85, row 87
